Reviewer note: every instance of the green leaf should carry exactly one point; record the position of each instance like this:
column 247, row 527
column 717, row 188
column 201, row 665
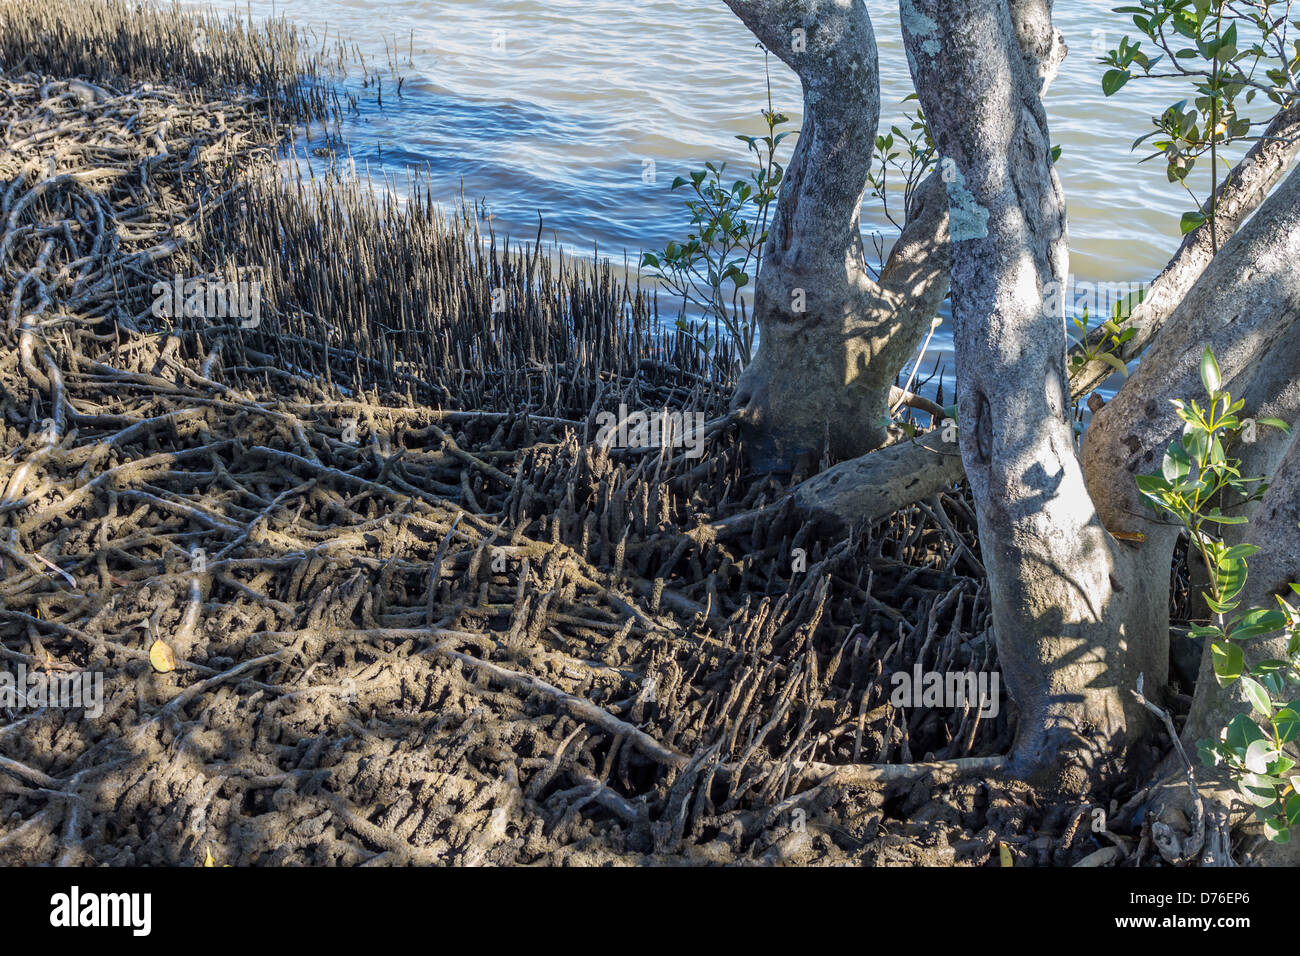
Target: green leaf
column 1211, row 752
column 1176, row 464
column 1228, row 44
column 1242, row 551
column 1195, row 440
column 1280, row 765
column 1114, row 361
column 1152, row 485
column 1292, row 810
column 1113, row 80
column 1230, row 575
column 1256, row 624
column 1274, row 423
column 1258, row 789
column 1276, row 832
column 1218, row 517
column 1241, row 732
column 1219, row 607
column 1258, row 698
column 1189, row 222
column 1228, row 661
column 1274, row 675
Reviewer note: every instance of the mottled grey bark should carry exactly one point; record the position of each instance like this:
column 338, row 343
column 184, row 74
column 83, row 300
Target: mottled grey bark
column 873, row 487
column 1073, row 623
column 864, row 489
column 1041, row 45
column 832, row 340
column 1246, row 307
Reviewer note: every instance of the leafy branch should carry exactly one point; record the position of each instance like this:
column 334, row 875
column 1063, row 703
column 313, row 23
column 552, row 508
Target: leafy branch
column 1194, row 475
column 1231, row 51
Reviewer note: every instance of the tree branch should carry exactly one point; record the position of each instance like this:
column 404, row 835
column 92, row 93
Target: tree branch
column 1245, row 188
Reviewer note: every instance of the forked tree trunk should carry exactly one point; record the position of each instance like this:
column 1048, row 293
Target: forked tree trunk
column 874, row 485
column 832, row 340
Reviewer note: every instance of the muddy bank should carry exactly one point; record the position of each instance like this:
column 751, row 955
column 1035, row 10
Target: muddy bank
column 418, row 610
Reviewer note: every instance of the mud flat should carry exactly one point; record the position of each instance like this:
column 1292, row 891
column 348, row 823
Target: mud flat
column 362, row 582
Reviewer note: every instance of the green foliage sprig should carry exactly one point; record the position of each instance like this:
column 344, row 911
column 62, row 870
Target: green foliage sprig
column 1195, row 473
column 723, row 250
column 909, row 152
column 1115, row 332
column 1230, row 51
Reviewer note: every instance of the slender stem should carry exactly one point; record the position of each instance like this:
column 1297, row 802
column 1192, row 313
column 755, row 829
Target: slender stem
column 1214, row 131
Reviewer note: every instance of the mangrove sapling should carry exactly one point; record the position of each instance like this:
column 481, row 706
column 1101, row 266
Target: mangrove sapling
column 724, row 249
column 910, row 154
column 1103, row 342
column 1194, row 475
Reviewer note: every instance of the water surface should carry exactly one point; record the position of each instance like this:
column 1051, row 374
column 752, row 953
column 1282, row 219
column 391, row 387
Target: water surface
column 583, row 111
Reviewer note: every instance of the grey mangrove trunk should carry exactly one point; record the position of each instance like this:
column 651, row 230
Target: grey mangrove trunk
column 832, row 340
column 1073, row 623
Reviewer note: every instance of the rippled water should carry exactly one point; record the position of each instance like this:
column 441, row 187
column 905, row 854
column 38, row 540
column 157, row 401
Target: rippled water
column 558, row 106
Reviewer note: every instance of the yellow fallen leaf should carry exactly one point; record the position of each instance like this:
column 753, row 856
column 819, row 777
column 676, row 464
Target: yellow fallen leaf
column 1129, row 535
column 162, row 658
column 1004, row 855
